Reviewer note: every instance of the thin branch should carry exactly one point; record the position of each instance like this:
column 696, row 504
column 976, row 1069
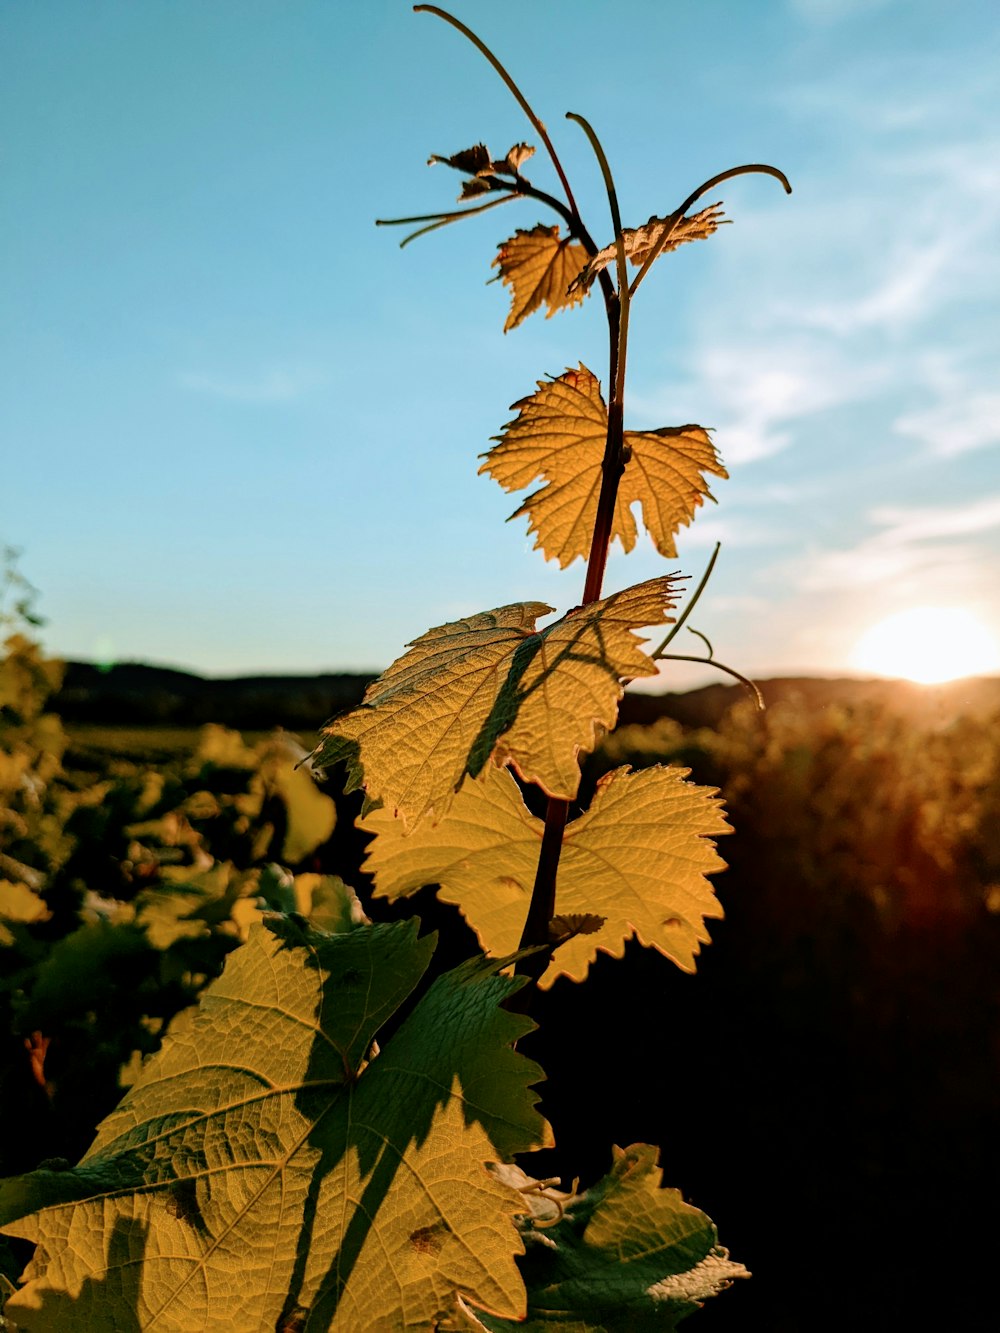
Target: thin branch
column 692, row 602
column 705, row 640
column 747, row 684
column 514, row 89
column 618, row 385
column 438, row 220
column 571, row 215
column 758, row 168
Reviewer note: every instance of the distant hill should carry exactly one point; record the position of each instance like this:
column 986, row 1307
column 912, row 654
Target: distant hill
column 976, row 696
column 131, row 694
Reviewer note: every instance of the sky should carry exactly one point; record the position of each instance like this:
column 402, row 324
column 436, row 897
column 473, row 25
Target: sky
column 239, row 426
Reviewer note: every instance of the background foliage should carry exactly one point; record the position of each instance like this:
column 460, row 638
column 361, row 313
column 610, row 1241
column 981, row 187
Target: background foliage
column 837, row 1050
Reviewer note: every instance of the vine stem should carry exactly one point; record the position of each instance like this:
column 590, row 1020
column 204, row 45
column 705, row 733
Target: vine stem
column 541, row 908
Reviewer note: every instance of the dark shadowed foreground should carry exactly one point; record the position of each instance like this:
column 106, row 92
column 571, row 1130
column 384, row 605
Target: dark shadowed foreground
column 825, row 1086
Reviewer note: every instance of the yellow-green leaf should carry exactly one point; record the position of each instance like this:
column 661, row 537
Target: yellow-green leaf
column 19, row 902
column 624, row 1256
column 539, row 266
column 637, row 857
column 494, row 687
column 559, row 436
column 641, row 241
column 271, row 1169
column 312, row 815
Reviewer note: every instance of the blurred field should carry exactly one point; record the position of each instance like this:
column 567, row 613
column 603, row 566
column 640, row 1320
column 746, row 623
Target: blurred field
column 825, row 1087
column 93, row 745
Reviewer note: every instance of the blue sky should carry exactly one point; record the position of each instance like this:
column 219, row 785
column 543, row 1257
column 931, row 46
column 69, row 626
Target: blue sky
column 240, row 427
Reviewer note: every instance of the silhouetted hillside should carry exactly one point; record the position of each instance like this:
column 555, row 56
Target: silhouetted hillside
column 134, row 694
column 973, row 697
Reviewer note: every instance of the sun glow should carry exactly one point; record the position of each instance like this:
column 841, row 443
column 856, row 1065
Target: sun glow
column 928, row 644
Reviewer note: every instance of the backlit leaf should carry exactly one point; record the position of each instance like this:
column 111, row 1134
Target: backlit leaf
column 637, row 857
column 640, row 241
column 472, row 161
column 473, row 187
column 515, row 160
column 538, row 266
column 312, row 814
column 271, row 1169
column 492, row 686
column 559, row 436
column 624, row 1257
column 19, row 902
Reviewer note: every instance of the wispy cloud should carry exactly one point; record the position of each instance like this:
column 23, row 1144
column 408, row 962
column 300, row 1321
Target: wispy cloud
column 759, row 391
column 730, row 531
column 902, row 526
column 273, row 385
column 925, row 542
column 924, row 258
column 956, row 426
column 915, row 277
column 833, row 11
column 959, row 412
column 835, row 294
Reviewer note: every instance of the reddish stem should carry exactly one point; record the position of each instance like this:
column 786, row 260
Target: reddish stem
column 541, row 909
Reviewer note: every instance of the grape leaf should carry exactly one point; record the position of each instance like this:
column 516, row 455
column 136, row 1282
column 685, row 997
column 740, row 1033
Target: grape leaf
column 474, row 161
column 328, row 902
column 312, row 815
column 624, row 1256
column 638, row 857
column 20, row 906
column 559, row 435
column 538, row 266
column 515, row 160
column 641, row 241
column 494, row 686
column 270, row 1168
column 19, row 902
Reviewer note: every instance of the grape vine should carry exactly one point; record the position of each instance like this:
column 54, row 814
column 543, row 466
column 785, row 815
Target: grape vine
column 325, row 1141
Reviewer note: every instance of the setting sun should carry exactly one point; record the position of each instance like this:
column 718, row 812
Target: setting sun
column 928, row 644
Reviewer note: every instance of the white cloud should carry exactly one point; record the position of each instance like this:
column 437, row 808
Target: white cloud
column 759, row 390
column 962, row 416
column 956, row 426
column 275, row 385
column 913, row 544
column 902, row 526
column 709, row 529
column 915, row 280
